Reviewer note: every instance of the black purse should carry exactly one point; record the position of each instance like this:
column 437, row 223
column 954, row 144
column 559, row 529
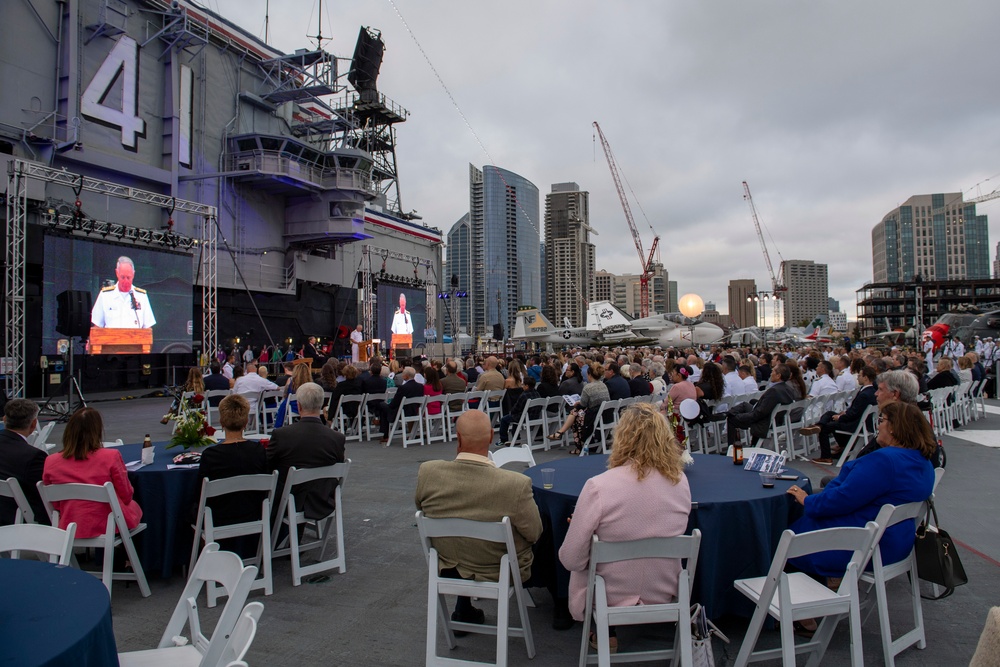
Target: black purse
column 937, row 556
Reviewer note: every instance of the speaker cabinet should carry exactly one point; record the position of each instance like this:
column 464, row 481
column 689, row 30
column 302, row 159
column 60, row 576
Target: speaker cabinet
column 73, row 313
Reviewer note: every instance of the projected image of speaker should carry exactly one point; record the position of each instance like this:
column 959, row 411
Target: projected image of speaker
column 73, row 313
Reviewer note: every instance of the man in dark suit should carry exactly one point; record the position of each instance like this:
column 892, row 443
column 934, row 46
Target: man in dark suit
column 617, row 385
column 20, row 460
column 830, row 423
column 216, row 381
column 307, row 443
column 638, row 385
column 471, row 487
column 409, row 389
column 757, row 417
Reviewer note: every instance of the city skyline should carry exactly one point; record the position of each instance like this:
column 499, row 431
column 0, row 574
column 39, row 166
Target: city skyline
column 827, row 110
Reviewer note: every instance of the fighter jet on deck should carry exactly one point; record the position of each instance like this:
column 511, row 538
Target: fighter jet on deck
column 608, row 325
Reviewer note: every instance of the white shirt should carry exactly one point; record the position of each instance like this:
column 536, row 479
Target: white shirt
column 356, row 338
column 846, row 381
column 750, row 383
column 227, row 370
column 823, row 385
column 695, row 374
column 734, row 384
column 251, row 385
column 248, row 355
column 114, row 309
column 402, row 322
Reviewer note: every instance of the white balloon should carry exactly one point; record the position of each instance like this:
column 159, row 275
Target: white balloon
column 690, row 408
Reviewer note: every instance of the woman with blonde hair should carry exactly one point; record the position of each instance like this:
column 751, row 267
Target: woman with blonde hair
column 643, row 494
column 300, row 375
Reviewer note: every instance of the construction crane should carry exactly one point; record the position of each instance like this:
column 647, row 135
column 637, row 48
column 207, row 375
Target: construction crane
column 776, row 286
column 646, row 260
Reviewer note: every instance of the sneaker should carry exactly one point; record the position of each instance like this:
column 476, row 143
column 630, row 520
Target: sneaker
column 823, row 462
column 809, row 430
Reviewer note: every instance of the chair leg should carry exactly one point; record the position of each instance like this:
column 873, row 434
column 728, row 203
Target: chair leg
column 918, row 612
column 750, row 638
column 133, row 558
column 107, row 574
column 503, row 617
column 787, row 642
column 293, row 545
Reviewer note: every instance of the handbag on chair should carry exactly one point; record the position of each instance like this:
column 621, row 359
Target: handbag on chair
column 702, row 630
column 937, row 556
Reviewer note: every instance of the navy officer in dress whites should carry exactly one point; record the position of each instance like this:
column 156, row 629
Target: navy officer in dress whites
column 122, row 305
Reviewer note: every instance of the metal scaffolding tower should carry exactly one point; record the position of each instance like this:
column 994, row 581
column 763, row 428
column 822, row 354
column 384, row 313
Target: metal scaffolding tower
column 19, row 171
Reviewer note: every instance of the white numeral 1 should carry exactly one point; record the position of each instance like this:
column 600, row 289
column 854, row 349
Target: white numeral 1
column 122, row 64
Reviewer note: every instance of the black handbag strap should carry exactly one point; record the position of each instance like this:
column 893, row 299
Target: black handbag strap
column 921, row 533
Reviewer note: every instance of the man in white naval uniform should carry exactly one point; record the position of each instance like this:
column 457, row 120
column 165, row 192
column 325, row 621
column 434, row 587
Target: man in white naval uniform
column 402, row 320
column 356, row 338
column 123, row 306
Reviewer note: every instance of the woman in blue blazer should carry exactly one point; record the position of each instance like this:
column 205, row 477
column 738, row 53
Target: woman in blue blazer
column 898, row 473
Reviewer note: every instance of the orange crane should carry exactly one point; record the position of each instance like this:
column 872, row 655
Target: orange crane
column 777, row 287
column 647, row 261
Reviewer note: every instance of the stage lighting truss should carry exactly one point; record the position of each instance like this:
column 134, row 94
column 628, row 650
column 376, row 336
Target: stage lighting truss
column 116, row 231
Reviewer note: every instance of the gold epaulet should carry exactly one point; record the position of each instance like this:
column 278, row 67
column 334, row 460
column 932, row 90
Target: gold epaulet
column 139, row 290
column 109, row 288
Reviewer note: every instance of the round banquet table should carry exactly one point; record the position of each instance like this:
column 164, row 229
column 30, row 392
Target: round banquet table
column 53, row 615
column 740, row 522
column 168, row 499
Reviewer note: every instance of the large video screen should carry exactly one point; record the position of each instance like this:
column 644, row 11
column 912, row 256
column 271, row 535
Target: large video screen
column 413, row 320
column 158, row 298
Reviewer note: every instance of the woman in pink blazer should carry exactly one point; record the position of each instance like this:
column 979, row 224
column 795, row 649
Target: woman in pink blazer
column 643, row 494
column 85, row 461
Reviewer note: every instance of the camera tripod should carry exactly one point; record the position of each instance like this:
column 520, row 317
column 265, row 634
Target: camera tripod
column 62, row 410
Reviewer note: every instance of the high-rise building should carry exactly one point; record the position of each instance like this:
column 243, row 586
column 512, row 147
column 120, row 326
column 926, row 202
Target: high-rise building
column 808, row 291
column 672, row 306
column 504, row 249
column 936, row 237
column 603, row 286
column 833, row 304
column 996, row 264
column 570, row 256
column 458, row 267
column 711, row 314
column 544, row 304
column 742, row 305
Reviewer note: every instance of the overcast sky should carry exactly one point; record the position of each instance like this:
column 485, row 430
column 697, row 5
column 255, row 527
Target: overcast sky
column 834, row 112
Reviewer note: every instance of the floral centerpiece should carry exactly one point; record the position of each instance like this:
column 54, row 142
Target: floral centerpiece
column 191, row 428
column 677, row 426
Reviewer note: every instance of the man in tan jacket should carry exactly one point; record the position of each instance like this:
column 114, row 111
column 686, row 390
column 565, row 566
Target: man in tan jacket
column 471, row 487
column 491, row 379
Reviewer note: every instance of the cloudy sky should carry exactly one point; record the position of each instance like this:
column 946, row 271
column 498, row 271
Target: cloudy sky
column 834, row 112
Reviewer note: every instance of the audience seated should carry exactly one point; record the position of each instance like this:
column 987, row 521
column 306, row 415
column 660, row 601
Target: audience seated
column 20, row 460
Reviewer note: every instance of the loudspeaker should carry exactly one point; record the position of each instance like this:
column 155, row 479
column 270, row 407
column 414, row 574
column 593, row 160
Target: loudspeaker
column 73, row 313
column 498, row 331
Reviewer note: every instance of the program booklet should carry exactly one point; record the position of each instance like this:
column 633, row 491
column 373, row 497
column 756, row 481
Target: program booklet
column 765, row 462
column 572, row 399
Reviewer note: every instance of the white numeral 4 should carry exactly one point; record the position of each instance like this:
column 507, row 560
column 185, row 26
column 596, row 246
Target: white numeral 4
column 122, row 64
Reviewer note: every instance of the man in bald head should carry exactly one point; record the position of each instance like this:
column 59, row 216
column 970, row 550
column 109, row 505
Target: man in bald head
column 471, row 487
column 490, row 379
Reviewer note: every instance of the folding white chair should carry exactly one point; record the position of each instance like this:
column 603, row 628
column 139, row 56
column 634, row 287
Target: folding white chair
column 604, row 426
column 10, row 488
column 978, row 397
column 224, row 568
column 887, row 517
column 268, row 408
column 555, row 416
column 325, row 529
column 39, row 439
column 55, row 543
column 859, row 436
column 243, row 634
column 53, row 493
column 532, row 427
column 409, row 424
column 440, row 419
column 789, row 597
column 509, row 583
column 212, row 411
column 342, row 422
column 454, row 407
column 512, row 454
column 206, row 531
column 493, row 405
column 675, row 548
column 253, row 419
column 369, row 411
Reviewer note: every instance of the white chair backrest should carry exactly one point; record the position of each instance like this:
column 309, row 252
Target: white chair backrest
column 298, row 476
column 96, row 493
column 521, row 454
column 243, row 634
column 489, row 531
column 10, row 488
column 40, row 438
column 679, row 547
column 888, row 517
column 56, row 543
column 227, row 570
column 938, row 474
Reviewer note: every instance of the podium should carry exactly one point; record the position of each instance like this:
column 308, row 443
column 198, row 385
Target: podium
column 120, row 341
column 363, row 355
column 401, row 341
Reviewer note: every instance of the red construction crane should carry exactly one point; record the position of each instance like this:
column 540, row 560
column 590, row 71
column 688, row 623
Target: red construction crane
column 776, row 286
column 647, row 261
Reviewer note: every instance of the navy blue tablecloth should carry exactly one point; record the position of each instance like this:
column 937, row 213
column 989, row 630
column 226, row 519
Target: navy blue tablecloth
column 740, row 522
column 168, row 500
column 54, row 616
